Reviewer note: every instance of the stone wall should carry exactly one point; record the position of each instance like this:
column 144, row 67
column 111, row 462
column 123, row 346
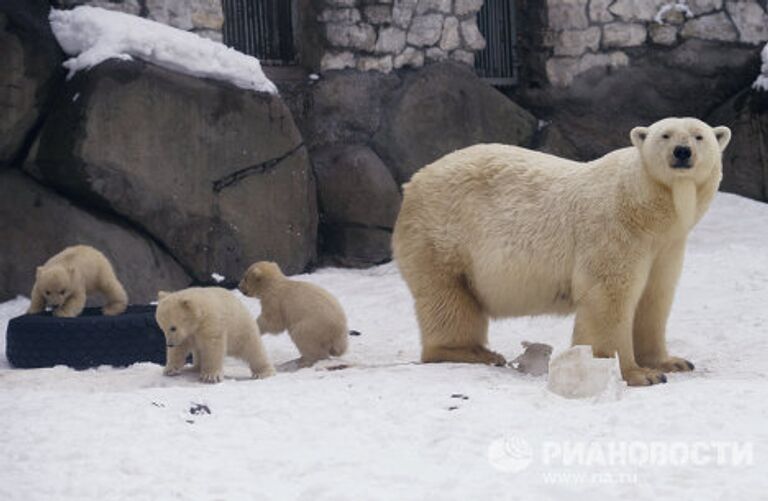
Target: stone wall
column 383, row 35
column 587, row 34
column 203, row 17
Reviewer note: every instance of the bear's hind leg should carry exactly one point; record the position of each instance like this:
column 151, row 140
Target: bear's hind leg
column 454, row 328
column 254, row 353
column 113, row 291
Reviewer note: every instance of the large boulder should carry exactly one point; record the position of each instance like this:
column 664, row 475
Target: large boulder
column 30, row 66
column 441, row 108
column 596, row 113
column 219, row 175
column 745, row 161
column 359, row 202
column 36, row 223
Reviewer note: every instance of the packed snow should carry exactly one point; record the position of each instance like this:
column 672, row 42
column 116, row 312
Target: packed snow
column 92, row 35
column 761, row 83
column 391, row 428
column 680, row 6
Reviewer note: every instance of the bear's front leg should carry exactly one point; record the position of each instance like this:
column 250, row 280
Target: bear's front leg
column 269, row 321
column 649, row 331
column 72, row 307
column 211, row 353
column 604, row 321
column 37, row 302
column 175, row 358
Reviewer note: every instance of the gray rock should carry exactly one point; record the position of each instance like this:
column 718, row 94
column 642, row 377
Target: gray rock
column 30, row 68
column 337, row 61
column 434, row 54
column 450, row 38
column 663, row 34
column 378, row 14
column 577, row 42
column 410, row 57
column 750, row 19
column 469, row 111
column 699, row 7
column 425, row 6
column 359, row 202
column 712, row 27
column 464, row 56
column 382, row 64
column 598, row 11
column 690, row 79
column 624, row 35
column 176, row 13
column 567, row 14
column 402, row 12
column 350, row 16
column 464, row 7
column 633, row 10
column 745, row 161
column 345, row 107
column 218, row 174
column 36, row 223
column 425, row 30
column 356, row 36
column 391, row 41
column 473, row 39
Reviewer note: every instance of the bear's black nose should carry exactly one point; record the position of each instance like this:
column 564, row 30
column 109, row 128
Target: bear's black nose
column 682, row 152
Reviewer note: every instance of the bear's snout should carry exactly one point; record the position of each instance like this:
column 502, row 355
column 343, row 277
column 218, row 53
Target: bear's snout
column 682, row 156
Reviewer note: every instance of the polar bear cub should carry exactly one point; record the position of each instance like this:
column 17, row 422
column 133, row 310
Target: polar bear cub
column 66, row 279
column 314, row 318
column 209, row 323
column 495, row 231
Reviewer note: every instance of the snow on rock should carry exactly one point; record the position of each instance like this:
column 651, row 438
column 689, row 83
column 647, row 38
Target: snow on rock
column 93, row 35
column 575, row 373
column 762, row 80
column 681, row 6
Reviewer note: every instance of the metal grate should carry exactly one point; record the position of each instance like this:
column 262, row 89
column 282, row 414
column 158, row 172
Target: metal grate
column 261, row 28
column 496, row 64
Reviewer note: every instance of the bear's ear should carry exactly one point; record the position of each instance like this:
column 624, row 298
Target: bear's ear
column 38, row 271
column 638, row 136
column 188, row 306
column 161, row 295
column 723, row 135
column 525, row 344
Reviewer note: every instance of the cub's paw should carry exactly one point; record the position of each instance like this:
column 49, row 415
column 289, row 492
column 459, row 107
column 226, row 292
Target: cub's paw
column 264, row 373
column 61, row 313
column 670, row 364
column 171, row 371
column 641, row 376
column 210, row 377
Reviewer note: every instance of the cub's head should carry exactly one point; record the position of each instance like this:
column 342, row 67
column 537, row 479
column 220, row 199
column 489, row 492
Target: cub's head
column 177, row 316
column 56, row 284
column 676, row 148
column 259, row 277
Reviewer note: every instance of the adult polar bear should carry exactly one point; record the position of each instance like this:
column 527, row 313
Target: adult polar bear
column 499, row 231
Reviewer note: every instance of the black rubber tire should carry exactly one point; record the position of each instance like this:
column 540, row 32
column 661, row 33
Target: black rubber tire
column 90, row 340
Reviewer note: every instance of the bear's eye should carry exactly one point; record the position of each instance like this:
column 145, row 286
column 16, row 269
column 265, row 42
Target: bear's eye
column 699, row 137
column 665, row 136
column 63, row 291
column 47, row 293
column 173, row 328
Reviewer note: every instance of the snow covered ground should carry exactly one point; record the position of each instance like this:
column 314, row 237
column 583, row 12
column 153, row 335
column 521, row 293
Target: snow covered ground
column 392, row 429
